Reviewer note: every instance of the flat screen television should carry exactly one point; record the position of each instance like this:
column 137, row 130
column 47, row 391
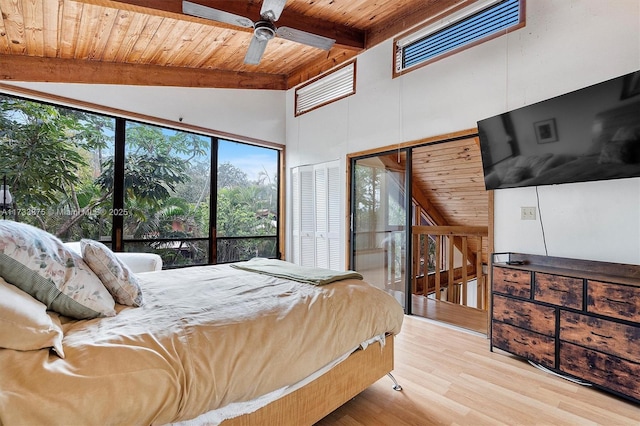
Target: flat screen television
column 586, row 135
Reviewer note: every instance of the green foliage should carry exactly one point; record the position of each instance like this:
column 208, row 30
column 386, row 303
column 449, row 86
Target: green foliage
column 235, row 217
column 229, row 176
column 148, row 178
column 46, row 155
column 39, row 138
column 244, row 209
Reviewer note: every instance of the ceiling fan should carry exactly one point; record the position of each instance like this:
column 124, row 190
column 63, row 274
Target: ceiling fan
column 263, row 30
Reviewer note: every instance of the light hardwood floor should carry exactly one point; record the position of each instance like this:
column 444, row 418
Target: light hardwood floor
column 449, row 377
column 451, row 313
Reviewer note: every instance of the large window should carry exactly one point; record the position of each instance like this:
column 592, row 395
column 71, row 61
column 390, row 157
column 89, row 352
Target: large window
column 137, row 186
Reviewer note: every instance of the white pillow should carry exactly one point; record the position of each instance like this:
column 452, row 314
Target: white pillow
column 40, row 264
column 25, row 324
column 114, row 274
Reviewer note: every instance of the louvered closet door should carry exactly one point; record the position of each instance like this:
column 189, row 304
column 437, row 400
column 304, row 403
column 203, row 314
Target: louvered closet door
column 303, row 230
column 316, row 224
column 295, row 216
column 321, row 194
column 333, row 218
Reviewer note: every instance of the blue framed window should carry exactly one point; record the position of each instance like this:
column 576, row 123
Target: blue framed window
column 462, row 29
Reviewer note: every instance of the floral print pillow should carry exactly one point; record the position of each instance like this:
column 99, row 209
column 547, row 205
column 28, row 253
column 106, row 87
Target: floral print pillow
column 39, row 264
column 115, row 275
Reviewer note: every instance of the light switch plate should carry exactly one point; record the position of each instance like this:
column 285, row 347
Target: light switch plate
column 527, row 213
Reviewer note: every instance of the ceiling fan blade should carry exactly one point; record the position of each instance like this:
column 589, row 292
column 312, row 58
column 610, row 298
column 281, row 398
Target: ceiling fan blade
column 271, row 9
column 304, row 37
column 205, row 12
column 255, row 51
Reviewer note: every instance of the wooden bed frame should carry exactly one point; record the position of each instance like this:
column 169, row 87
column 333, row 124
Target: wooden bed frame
column 314, row 401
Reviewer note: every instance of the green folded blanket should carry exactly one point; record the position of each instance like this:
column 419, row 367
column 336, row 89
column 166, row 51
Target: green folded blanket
column 305, row 274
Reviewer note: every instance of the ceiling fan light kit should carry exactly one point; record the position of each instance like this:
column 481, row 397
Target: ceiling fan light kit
column 263, row 30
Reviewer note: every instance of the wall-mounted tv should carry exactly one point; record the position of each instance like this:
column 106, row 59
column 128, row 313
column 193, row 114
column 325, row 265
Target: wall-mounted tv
column 586, row 135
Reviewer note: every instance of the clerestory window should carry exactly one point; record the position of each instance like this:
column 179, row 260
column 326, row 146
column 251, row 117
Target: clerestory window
column 460, row 29
column 335, row 85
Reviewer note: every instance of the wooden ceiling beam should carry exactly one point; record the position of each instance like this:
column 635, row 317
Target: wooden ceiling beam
column 346, row 37
column 408, row 17
column 313, row 69
column 37, row 69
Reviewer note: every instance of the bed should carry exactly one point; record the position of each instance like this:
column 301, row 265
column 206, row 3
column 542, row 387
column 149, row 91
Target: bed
column 231, row 344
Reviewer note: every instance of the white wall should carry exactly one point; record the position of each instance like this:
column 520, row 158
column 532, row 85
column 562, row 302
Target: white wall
column 256, row 114
column 566, row 45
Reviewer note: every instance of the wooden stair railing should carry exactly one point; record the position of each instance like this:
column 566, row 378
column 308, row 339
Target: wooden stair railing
column 454, row 278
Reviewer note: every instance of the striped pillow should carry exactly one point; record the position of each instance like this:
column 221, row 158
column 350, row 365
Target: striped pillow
column 39, row 264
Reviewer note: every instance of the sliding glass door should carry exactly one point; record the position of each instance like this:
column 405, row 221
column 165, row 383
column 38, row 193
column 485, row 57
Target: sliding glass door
column 419, row 229
column 379, row 232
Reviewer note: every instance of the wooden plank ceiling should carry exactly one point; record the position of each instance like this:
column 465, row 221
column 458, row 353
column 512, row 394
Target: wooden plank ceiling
column 449, row 178
column 151, row 42
column 451, row 173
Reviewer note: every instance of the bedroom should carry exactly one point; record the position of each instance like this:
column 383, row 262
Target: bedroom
column 566, row 45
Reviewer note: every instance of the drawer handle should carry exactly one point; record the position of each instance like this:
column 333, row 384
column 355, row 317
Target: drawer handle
column 558, row 289
column 601, row 335
column 519, row 341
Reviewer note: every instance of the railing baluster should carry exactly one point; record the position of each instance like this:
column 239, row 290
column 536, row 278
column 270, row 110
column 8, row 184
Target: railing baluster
column 438, row 264
column 450, row 247
column 457, row 287
column 465, row 265
column 416, row 264
column 425, row 268
column 480, row 296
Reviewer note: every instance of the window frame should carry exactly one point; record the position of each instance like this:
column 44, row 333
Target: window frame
column 457, row 14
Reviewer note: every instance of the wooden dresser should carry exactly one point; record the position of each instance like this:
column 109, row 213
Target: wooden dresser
column 575, row 317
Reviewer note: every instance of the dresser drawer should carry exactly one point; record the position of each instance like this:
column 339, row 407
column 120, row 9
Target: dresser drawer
column 558, row 290
column 512, row 281
column 605, row 336
column 541, row 319
column 614, row 300
column 605, row 370
column 525, row 343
